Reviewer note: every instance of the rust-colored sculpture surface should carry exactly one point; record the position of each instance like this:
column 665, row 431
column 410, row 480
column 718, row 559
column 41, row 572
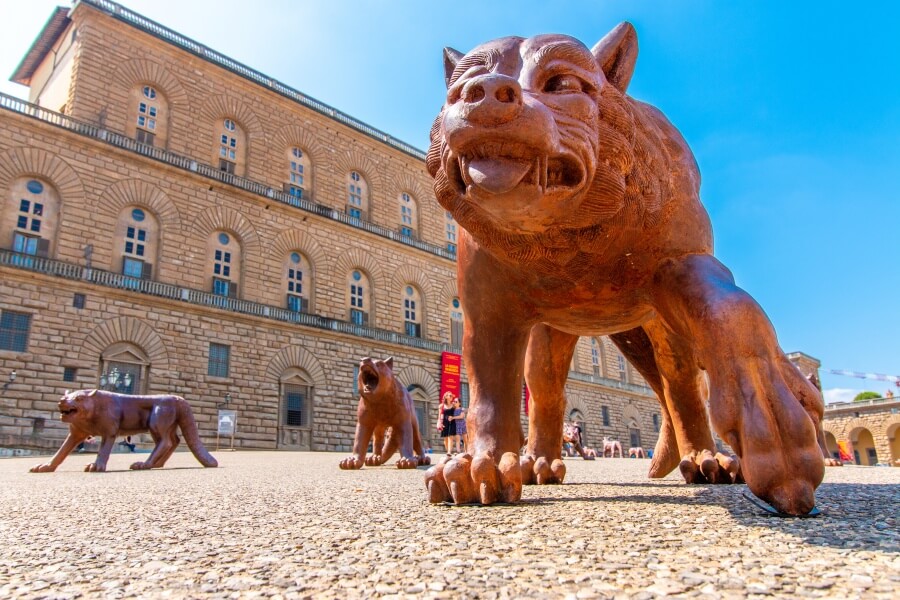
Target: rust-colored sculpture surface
column 108, row 415
column 582, row 216
column 386, row 412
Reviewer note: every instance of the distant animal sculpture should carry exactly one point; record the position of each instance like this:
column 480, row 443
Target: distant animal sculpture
column 571, row 435
column 108, row 415
column 636, row 452
column 386, row 416
column 611, row 446
column 581, row 216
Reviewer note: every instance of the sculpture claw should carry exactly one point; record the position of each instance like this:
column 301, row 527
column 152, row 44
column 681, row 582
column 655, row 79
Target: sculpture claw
column 438, row 491
column 541, row 471
column 351, row 462
column 407, row 463
column 704, row 467
column 464, row 479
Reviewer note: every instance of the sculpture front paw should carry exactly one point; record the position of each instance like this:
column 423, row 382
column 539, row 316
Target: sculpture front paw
column 95, row 468
column 351, row 462
column 424, row 460
column 407, row 463
column 373, row 460
column 465, row 479
column 140, row 466
column 541, row 471
column 44, row 468
column 704, row 467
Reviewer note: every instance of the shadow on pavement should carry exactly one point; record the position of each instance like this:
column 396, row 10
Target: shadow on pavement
column 855, row 516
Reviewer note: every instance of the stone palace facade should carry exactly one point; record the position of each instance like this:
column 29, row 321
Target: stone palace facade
column 175, row 222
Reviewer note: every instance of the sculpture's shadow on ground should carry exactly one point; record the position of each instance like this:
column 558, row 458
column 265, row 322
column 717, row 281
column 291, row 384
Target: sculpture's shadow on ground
column 854, row 516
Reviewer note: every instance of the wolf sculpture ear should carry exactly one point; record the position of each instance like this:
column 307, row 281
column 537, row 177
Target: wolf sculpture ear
column 617, row 53
column 451, row 57
column 390, row 362
column 92, row 392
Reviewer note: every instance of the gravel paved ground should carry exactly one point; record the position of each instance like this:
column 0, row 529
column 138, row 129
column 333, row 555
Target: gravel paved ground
column 292, row 525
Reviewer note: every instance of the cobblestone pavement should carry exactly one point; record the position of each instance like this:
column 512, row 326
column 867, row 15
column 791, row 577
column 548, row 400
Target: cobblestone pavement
column 292, row 525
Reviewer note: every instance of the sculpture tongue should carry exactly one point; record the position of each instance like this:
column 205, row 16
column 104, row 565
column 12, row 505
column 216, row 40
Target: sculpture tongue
column 498, row 175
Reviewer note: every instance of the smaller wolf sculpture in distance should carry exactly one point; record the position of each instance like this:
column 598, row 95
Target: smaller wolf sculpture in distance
column 570, row 435
column 386, row 411
column 611, row 446
column 108, row 415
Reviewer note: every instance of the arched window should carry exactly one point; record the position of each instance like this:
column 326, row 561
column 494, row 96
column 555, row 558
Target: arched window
column 409, row 215
column 297, row 184
column 149, row 116
column 297, row 282
column 456, row 323
column 358, row 297
column 136, row 241
column 422, row 408
column 412, row 311
column 31, row 217
column 224, row 263
column 450, row 231
column 230, row 142
column 357, row 196
column 124, row 368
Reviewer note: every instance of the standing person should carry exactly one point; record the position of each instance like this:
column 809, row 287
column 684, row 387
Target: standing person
column 577, row 427
column 447, row 425
column 459, row 417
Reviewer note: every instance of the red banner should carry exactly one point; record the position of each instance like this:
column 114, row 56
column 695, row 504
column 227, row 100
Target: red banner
column 846, row 453
column 450, row 373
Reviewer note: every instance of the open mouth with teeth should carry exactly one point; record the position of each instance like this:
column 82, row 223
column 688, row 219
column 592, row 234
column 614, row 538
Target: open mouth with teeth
column 499, row 168
column 368, row 379
column 67, row 411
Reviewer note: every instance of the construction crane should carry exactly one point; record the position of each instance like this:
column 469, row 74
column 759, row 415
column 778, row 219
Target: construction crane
column 857, row 374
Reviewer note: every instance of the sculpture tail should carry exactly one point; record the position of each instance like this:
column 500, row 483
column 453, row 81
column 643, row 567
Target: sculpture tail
column 192, row 437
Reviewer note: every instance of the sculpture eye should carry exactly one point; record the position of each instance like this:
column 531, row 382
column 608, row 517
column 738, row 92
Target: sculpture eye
column 565, row 83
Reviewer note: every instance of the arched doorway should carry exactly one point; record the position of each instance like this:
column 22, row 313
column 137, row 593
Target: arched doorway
column 832, row 446
column 863, row 447
column 423, row 411
column 893, row 434
column 295, row 414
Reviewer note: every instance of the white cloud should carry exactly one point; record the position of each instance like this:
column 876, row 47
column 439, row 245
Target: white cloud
column 839, row 395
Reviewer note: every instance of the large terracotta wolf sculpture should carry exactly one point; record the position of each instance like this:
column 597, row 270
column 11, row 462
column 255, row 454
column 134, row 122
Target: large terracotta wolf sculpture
column 582, row 216
column 386, row 416
column 108, row 415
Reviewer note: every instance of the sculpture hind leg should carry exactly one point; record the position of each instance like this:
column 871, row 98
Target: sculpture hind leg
column 162, row 426
column 759, row 402
column 636, row 346
column 547, row 363
column 685, row 394
column 161, row 460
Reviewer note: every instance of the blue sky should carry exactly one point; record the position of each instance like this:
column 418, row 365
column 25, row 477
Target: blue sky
column 792, row 109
